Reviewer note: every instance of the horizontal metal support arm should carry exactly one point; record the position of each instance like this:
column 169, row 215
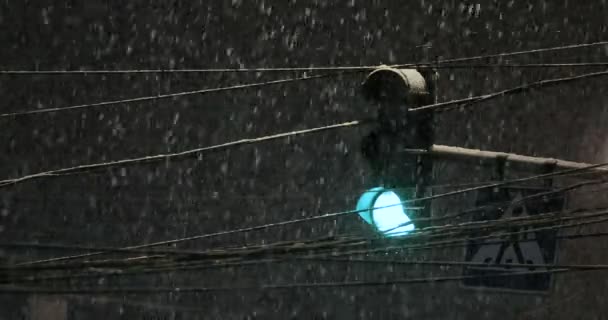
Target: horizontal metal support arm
column 476, row 154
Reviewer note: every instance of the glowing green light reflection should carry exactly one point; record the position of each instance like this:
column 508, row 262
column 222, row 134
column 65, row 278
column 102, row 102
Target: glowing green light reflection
column 385, row 212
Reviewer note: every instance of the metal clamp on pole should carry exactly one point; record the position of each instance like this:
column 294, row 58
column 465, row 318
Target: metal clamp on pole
column 500, row 167
column 549, row 167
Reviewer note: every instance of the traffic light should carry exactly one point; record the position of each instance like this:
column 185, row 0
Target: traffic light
column 397, row 176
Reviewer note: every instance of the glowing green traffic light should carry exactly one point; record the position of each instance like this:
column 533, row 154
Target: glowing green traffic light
column 383, row 209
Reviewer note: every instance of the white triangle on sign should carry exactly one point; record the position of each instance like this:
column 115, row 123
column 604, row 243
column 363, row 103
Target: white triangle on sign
column 529, row 250
column 487, row 253
column 531, row 253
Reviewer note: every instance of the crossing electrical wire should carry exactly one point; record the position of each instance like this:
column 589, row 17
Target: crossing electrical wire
column 309, row 219
column 79, row 169
column 469, row 101
column 436, row 64
column 544, row 195
column 517, row 53
column 485, row 266
column 422, row 65
column 466, row 102
column 451, row 242
column 196, row 264
column 555, row 193
column 169, row 156
column 313, row 285
column 498, row 205
column 300, row 246
column 463, row 241
column 191, row 266
column 343, row 71
column 447, row 243
column 163, row 96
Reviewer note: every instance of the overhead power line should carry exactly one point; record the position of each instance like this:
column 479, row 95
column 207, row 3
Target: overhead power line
column 198, row 265
column 543, row 195
column 436, row 64
column 437, row 106
column 497, row 205
column 73, row 247
column 514, row 65
column 310, row 250
column 259, row 227
column 542, row 222
column 187, row 70
column 485, row 266
column 442, row 64
column 463, row 241
column 163, row 96
column 442, row 106
column 182, row 154
column 435, row 244
column 528, row 199
column 317, row 285
column 517, row 53
column 324, row 216
column 344, row 70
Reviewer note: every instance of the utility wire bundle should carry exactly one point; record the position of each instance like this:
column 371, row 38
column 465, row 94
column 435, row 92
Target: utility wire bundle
column 329, row 249
column 320, row 250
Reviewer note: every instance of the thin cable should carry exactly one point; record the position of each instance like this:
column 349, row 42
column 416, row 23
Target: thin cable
column 301, row 69
column 498, row 205
column 513, row 65
column 519, row 89
column 216, row 234
column 189, row 266
column 426, row 246
column 508, row 182
column 58, row 246
column 324, row 68
column 186, row 70
column 197, row 265
column 314, row 285
column 301, row 246
column 463, row 241
column 544, row 194
column 344, row 70
column 55, row 246
column 308, row 219
column 516, row 53
column 84, row 168
column 274, row 250
column 160, row 157
column 483, row 265
column 166, row 96
column 460, row 242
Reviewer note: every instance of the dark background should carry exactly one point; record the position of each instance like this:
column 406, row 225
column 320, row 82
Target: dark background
column 284, row 179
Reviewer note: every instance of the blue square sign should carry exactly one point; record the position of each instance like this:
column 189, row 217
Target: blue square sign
column 517, row 247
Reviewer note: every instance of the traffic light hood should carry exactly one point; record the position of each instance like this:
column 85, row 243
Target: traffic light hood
column 392, row 85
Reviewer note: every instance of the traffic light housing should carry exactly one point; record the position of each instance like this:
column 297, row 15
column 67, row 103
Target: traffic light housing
column 397, row 175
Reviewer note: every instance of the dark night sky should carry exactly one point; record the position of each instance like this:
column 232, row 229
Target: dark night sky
column 284, row 179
